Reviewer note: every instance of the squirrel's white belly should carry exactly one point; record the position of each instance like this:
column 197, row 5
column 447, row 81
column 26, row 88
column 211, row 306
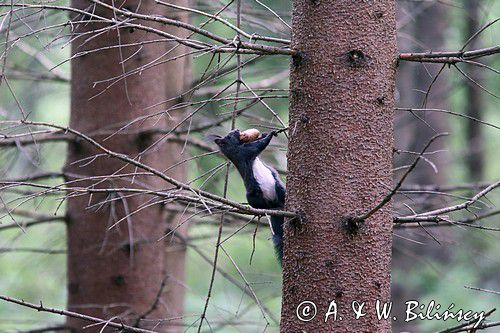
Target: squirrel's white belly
column 265, row 178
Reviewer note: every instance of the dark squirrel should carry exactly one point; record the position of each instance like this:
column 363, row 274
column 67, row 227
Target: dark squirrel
column 264, row 188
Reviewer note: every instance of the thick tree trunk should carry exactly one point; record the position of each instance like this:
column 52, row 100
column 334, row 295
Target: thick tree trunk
column 474, row 102
column 119, row 271
column 340, row 162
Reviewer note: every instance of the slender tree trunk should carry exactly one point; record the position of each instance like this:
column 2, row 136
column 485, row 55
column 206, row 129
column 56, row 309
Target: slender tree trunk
column 120, row 270
column 340, row 162
column 430, row 33
column 474, row 103
column 427, row 25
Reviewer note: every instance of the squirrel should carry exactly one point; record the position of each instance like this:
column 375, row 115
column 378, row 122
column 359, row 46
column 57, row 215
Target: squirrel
column 264, row 188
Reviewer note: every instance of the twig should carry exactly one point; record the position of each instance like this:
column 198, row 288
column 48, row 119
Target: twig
column 449, row 57
column 32, row 250
column 71, row 314
column 484, row 290
column 471, row 325
column 160, row 174
column 388, row 197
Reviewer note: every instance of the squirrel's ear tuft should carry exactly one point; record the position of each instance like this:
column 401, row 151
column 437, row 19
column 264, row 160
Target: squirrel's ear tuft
column 212, row 137
column 234, row 133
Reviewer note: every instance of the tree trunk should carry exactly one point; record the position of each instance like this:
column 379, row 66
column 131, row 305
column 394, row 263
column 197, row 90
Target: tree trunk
column 474, row 103
column 340, row 162
column 120, row 270
column 429, row 30
column 427, row 25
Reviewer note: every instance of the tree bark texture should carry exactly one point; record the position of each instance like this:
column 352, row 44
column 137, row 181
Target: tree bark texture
column 339, row 163
column 120, row 270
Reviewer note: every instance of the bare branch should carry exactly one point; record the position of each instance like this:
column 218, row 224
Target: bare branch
column 400, row 182
column 449, row 57
column 105, row 322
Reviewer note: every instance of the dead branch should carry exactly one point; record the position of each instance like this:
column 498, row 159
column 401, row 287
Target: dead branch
column 99, row 321
column 449, row 57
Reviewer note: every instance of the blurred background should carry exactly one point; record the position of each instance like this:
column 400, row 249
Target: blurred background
column 433, row 264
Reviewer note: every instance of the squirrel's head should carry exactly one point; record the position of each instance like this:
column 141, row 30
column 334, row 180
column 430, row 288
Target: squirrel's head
column 230, row 144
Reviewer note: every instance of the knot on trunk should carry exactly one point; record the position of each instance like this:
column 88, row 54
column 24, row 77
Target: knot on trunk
column 356, row 58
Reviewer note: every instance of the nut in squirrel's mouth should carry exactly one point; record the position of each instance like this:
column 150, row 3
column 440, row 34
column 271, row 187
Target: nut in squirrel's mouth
column 249, row 135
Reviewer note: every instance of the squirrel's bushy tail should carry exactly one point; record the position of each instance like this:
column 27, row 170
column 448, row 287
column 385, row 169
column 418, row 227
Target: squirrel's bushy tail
column 277, row 225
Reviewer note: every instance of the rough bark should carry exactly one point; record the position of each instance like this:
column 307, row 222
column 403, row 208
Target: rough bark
column 474, row 103
column 340, row 162
column 119, row 271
